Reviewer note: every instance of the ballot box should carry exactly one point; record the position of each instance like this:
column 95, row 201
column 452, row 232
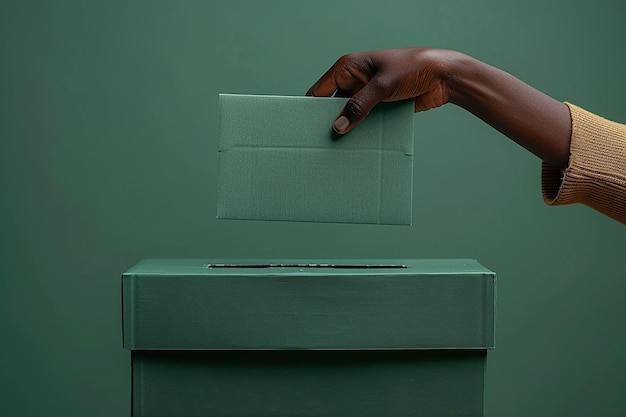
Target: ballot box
column 382, row 337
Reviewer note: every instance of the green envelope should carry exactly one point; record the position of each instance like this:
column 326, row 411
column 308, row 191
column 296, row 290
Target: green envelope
column 280, row 160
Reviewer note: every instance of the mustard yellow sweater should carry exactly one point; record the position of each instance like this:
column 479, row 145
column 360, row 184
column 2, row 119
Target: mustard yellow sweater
column 596, row 174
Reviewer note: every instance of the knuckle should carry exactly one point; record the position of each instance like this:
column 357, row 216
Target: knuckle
column 382, row 85
column 355, row 108
column 344, row 59
column 341, row 63
column 347, row 63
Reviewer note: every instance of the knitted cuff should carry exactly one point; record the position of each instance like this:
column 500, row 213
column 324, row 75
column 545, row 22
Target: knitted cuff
column 596, row 174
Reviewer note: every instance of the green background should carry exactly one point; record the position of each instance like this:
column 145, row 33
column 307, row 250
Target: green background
column 108, row 124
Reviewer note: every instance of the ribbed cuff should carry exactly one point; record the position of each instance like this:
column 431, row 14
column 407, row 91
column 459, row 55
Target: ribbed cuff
column 596, row 173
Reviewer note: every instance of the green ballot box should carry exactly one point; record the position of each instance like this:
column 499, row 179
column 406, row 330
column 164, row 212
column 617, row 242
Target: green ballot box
column 308, row 338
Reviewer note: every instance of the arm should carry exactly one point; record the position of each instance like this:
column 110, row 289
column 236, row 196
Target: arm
column 433, row 77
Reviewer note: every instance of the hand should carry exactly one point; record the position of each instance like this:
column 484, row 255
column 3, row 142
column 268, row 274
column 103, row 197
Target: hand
column 433, row 77
column 388, row 75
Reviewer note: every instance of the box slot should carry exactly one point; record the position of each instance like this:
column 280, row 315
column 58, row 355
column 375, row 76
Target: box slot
column 288, row 265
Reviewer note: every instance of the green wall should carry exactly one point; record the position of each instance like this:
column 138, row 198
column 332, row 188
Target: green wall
column 108, row 122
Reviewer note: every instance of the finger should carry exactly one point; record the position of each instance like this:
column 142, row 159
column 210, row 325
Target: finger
column 348, row 74
column 357, row 108
column 325, row 86
column 344, row 94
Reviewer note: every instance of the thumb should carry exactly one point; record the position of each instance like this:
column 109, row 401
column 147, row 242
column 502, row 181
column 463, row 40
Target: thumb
column 356, row 109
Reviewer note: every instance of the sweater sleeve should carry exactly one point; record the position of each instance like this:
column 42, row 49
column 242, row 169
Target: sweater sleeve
column 596, row 173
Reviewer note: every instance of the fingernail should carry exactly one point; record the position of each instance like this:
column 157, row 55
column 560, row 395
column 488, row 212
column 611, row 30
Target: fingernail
column 341, row 124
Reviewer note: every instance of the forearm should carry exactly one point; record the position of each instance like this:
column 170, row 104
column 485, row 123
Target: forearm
column 534, row 120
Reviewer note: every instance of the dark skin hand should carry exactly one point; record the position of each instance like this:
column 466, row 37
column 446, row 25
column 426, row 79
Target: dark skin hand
column 434, row 77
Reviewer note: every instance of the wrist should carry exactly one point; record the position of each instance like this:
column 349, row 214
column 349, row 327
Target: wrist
column 456, row 76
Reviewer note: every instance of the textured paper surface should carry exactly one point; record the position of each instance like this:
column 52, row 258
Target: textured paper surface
column 279, row 160
column 205, row 304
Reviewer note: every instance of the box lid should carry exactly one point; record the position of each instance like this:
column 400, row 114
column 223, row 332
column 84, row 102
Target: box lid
column 279, row 160
column 308, row 304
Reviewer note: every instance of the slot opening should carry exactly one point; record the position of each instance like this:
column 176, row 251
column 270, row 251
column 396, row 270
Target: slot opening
column 306, row 265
